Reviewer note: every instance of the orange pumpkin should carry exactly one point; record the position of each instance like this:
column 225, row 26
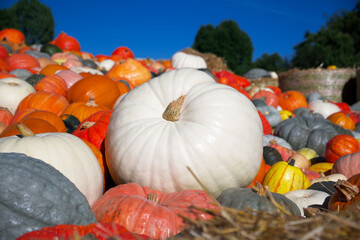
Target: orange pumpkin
column 36, row 125
column 13, row 35
column 52, row 118
column 20, row 113
column 4, row 66
column 83, row 110
column 22, row 61
column 342, row 119
column 46, row 101
column 347, row 193
column 340, row 145
column 130, row 70
column 291, row 100
column 52, row 83
column 123, row 52
column 51, row 69
column 100, row 88
column 124, row 86
column 5, row 115
column 269, row 98
column 66, row 42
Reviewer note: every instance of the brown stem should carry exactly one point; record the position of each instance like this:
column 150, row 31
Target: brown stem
column 24, row 131
column 87, row 124
column 91, row 102
column 172, row 112
column 346, row 190
column 152, row 196
column 13, row 84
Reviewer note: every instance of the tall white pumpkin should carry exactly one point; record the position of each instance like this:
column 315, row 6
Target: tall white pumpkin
column 65, row 152
column 218, row 135
column 185, row 60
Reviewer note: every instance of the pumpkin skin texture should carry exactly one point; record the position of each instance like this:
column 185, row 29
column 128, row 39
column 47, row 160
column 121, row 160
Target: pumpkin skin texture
column 35, row 195
column 242, row 198
column 83, row 110
column 151, row 212
column 36, row 125
column 342, row 119
column 67, row 153
column 100, row 231
column 340, row 145
column 347, row 165
column 201, row 138
column 303, row 132
column 282, row 178
column 291, row 100
column 271, row 114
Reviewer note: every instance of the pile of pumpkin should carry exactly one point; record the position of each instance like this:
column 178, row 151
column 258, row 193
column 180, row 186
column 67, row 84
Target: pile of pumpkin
column 118, row 146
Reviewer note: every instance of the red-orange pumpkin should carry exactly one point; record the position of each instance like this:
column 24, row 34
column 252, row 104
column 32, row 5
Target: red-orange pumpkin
column 5, row 115
column 101, row 88
column 13, row 35
column 342, row 119
column 22, row 61
column 66, row 42
column 123, row 52
column 46, row 101
column 269, row 98
column 52, row 83
column 100, row 231
column 260, row 175
column 340, row 145
column 151, row 212
column 4, row 66
column 291, row 100
column 93, row 128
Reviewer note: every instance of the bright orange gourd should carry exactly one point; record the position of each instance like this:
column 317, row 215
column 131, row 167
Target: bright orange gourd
column 342, row 119
column 36, row 126
column 66, row 42
column 51, row 69
column 50, row 117
column 123, row 52
column 13, row 35
column 291, row 100
column 340, row 145
column 101, row 88
column 52, row 83
column 83, row 110
column 5, row 115
column 130, row 70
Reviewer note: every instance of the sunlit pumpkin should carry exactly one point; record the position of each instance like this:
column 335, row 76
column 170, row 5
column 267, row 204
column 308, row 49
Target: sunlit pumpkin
column 66, row 42
column 13, row 35
column 22, row 61
column 291, row 100
column 130, row 70
column 342, row 119
column 123, row 52
column 51, row 117
column 340, row 145
column 100, row 88
column 83, row 110
column 46, row 101
column 270, row 98
column 36, row 125
column 52, row 83
column 51, row 69
column 5, row 115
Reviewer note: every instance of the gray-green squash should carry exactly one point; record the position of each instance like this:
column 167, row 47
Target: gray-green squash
column 271, row 114
column 242, row 198
column 33, row 195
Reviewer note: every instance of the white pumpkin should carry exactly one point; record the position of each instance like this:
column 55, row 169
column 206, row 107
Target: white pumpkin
column 67, row 153
column 106, row 64
column 323, row 107
column 306, row 197
column 332, row 177
column 12, row 91
column 218, row 135
column 184, row 60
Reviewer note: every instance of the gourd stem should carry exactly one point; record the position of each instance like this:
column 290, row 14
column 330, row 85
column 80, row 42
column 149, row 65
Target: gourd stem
column 24, row 131
column 152, row 196
column 91, row 102
column 172, row 112
column 87, row 125
column 346, row 190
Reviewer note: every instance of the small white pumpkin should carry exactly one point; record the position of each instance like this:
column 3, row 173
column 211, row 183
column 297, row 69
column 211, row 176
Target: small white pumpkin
column 184, row 60
column 12, row 91
column 323, row 107
column 332, row 177
column 306, row 197
column 218, row 135
column 106, row 64
column 65, row 152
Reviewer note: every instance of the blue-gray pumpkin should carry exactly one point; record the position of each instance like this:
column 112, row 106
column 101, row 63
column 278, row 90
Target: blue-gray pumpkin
column 33, row 195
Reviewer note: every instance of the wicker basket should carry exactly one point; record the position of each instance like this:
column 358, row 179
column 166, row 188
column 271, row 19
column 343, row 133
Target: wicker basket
column 263, row 82
column 329, row 83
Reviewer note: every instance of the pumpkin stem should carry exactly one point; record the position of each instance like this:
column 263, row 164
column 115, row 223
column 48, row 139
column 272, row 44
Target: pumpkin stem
column 172, row 112
column 153, row 196
column 87, row 125
column 91, row 102
column 346, row 190
column 273, row 141
column 13, row 84
column 24, row 131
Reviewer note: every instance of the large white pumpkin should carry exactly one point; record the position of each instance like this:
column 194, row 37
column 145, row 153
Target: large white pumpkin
column 218, row 135
column 65, row 152
column 12, row 91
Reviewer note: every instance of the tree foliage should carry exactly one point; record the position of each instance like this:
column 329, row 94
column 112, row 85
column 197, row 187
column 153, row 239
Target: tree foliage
column 226, row 40
column 273, row 62
column 32, row 18
column 337, row 43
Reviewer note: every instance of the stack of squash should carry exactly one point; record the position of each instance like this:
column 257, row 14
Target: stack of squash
column 119, row 146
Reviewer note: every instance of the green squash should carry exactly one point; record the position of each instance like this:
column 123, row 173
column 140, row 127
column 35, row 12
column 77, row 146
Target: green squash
column 33, row 195
column 89, row 63
column 50, row 49
column 258, row 102
column 71, row 122
column 304, row 112
column 242, row 198
column 271, row 114
column 271, row 155
column 34, row 79
column 303, row 132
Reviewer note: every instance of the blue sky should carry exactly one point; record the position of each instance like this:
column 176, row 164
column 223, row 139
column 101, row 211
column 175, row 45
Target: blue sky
column 158, row 29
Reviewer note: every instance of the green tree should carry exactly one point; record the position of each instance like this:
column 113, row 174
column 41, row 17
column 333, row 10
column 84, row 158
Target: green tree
column 227, row 40
column 273, row 62
column 337, row 43
column 32, row 18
